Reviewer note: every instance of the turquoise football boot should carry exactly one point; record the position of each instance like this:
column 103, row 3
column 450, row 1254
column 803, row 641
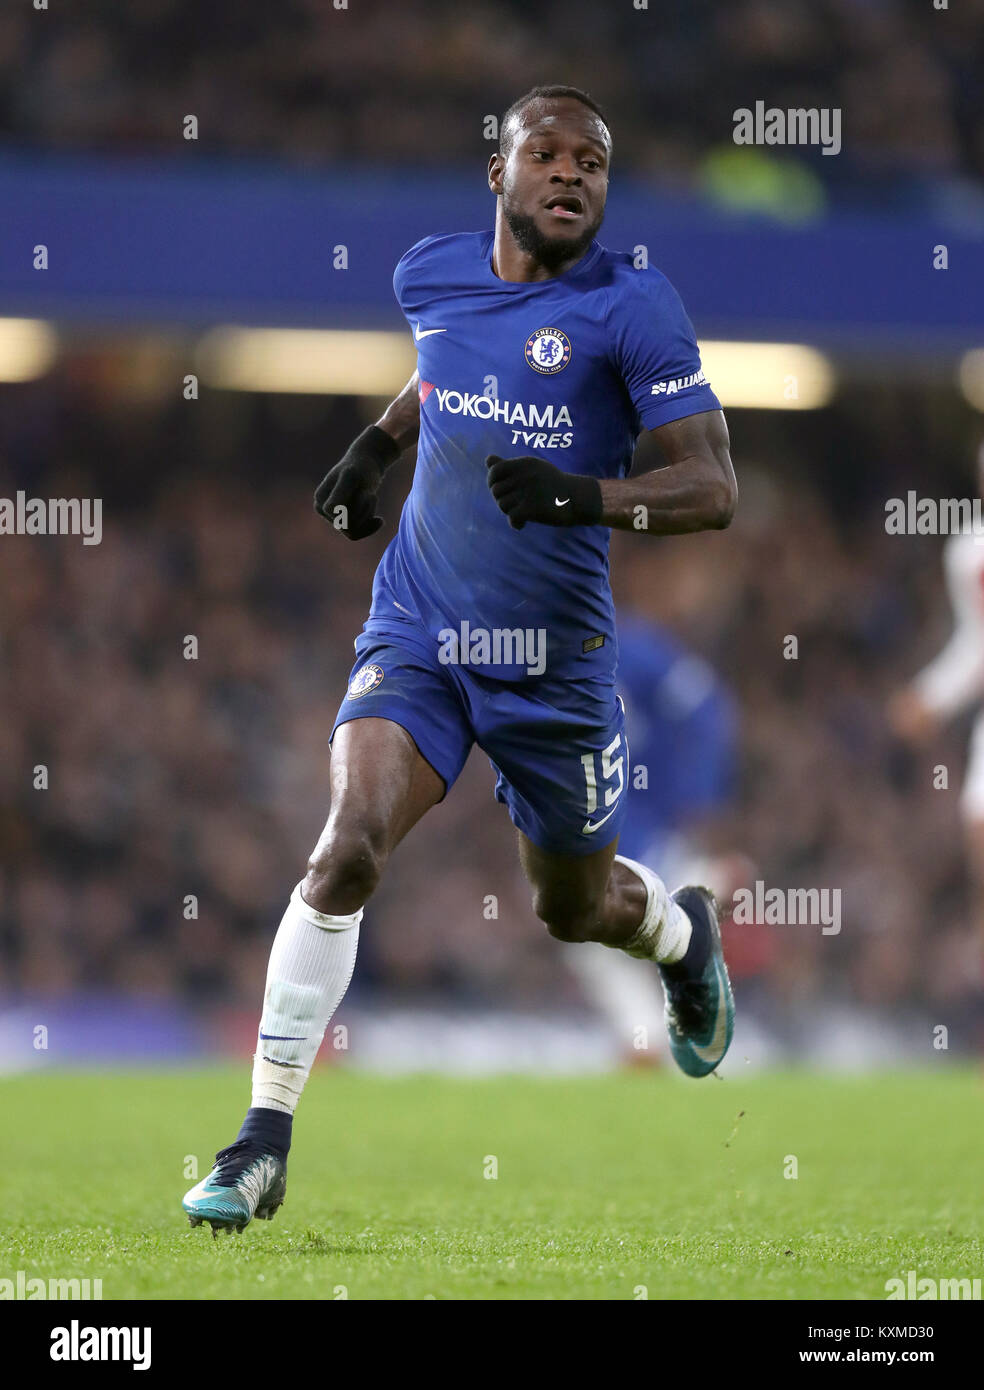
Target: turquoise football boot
column 700, row 1007
column 247, row 1180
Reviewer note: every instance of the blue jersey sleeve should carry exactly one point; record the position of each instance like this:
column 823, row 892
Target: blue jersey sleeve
column 413, row 278
column 405, row 267
column 655, row 350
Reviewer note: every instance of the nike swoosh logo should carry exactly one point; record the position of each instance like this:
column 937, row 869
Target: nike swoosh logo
column 561, row 501
column 590, row 829
column 427, row 332
column 715, row 1048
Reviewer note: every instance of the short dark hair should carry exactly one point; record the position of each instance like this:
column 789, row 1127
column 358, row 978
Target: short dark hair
column 545, row 94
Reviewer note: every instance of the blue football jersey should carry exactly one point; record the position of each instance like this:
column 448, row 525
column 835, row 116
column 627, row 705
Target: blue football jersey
column 569, row 369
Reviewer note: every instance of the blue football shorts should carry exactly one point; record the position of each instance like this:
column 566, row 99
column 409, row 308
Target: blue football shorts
column 557, row 747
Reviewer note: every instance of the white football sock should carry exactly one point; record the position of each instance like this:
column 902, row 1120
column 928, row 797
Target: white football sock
column 664, row 932
column 311, row 964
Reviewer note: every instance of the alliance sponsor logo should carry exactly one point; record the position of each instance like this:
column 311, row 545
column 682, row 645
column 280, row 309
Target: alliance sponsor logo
column 680, row 383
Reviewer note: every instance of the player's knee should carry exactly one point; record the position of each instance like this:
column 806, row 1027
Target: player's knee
column 566, row 920
column 343, row 872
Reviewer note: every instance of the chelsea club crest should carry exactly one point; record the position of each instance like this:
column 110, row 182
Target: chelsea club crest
column 364, row 680
column 548, row 350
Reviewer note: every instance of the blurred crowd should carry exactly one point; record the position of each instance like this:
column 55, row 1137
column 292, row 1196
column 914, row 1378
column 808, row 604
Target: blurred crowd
column 316, row 85
column 186, row 782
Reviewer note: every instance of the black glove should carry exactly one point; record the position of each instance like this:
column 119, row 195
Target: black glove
column 530, row 489
column 354, row 482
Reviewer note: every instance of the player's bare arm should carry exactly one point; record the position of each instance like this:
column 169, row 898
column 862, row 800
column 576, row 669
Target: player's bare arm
column 697, row 491
column 401, row 418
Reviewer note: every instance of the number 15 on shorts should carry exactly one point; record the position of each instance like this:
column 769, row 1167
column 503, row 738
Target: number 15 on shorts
column 600, row 778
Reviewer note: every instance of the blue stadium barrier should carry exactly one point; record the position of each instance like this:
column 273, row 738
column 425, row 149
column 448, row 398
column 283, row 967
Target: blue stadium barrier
column 132, row 241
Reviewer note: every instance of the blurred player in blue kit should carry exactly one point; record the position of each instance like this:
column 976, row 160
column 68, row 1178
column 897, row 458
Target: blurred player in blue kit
column 682, row 730
column 541, row 357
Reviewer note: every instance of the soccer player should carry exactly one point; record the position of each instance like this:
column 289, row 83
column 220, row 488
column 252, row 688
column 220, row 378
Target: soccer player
column 952, row 683
column 541, row 356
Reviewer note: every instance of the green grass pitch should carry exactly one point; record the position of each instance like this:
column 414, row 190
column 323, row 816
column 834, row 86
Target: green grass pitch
column 610, row 1187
